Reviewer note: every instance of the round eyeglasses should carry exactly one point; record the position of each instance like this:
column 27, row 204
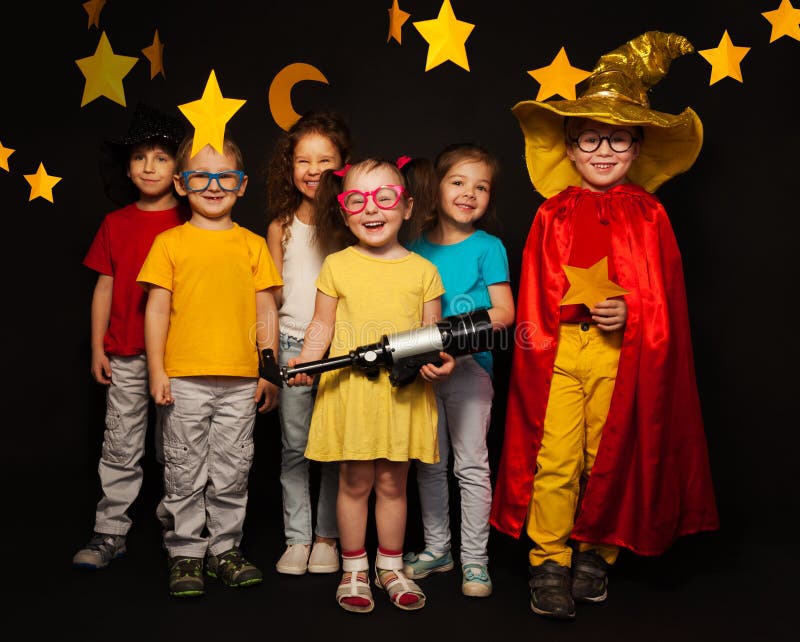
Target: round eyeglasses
column 353, row 201
column 228, row 181
column 620, row 140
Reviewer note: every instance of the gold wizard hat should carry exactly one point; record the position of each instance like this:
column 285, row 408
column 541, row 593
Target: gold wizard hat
column 615, row 93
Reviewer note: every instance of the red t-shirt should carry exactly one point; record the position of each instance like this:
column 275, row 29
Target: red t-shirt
column 118, row 250
column 591, row 241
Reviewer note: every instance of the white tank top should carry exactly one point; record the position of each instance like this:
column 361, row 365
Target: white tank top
column 302, row 261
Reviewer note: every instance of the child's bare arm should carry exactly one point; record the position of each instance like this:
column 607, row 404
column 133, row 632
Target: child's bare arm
column 318, row 336
column 101, row 314
column 502, row 311
column 156, row 325
column 266, row 337
column 431, row 313
column 274, row 238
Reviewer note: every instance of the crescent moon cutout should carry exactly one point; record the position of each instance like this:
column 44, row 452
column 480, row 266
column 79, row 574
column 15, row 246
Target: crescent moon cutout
column 280, row 91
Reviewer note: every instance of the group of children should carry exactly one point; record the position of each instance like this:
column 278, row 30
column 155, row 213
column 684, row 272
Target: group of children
column 186, row 299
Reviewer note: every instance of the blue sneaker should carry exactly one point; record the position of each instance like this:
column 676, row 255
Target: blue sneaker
column 417, row 566
column 476, row 581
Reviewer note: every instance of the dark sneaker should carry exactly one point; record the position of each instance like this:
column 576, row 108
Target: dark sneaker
column 589, row 577
column 186, row 576
column 233, row 569
column 99, row 552
column 550, row 591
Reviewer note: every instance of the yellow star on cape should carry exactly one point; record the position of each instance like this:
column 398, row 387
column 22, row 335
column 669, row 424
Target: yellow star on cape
column 397, row 18
column 209, row 116
column 155, row 54
column 104, row 72
column 93, row 8
column 5, row 152
column 785, row 21
column 446, row 37
column 590, row 285
column 41, row 183
column 559, row 77
column 725, row 59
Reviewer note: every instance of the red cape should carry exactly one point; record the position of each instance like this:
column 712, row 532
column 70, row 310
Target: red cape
column 651, row 480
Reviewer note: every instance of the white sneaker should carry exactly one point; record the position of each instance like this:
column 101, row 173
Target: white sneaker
column 324, row 558
column 294, row 560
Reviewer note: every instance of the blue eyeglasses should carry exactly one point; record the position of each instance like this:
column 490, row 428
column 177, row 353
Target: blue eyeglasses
column 228, row 181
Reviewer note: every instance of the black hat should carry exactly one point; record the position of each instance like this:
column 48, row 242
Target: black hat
column 148, row 126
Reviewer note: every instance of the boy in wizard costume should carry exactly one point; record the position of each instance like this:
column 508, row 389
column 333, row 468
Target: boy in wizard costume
column 604, row 445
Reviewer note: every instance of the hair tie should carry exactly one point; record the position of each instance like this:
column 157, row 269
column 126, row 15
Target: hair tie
column 343, row 171
column 402, row 161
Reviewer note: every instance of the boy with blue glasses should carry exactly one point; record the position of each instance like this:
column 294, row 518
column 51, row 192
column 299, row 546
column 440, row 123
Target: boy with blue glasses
column 210, row 309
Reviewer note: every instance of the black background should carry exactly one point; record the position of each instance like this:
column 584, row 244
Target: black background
column 734, row 214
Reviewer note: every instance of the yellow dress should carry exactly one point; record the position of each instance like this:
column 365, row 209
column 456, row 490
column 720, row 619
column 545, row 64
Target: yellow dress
column 356, row 417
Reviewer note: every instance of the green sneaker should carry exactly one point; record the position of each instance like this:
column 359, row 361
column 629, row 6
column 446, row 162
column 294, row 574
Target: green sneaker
column 186, row 576
column 416, row 566
column 233, row 569
column 475, row 580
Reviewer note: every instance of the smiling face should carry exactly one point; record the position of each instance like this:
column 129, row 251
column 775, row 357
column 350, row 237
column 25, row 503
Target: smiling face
column 464, row 193
column 151, row 168
column 603, row 168
column 313, row 154
column 212, row 207
column 376, row 229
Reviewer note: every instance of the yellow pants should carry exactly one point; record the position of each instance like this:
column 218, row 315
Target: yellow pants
column 580, row 394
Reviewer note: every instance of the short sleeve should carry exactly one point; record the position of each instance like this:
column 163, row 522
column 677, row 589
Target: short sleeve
column 158, row 268
column 98, row 258
column 495, row 263
column 325, row 282
column 265, row 274
column 434, row 287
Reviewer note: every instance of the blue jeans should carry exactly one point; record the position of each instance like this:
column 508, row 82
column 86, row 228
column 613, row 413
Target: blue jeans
column 294, row 410
column 464, row 402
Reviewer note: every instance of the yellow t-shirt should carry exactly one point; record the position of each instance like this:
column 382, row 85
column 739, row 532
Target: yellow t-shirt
column 356, row 417
column 213, row 276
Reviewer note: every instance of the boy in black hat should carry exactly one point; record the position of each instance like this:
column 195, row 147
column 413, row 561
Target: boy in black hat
column 142, row 165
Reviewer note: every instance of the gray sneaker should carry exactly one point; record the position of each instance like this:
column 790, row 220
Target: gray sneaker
column 99, row 552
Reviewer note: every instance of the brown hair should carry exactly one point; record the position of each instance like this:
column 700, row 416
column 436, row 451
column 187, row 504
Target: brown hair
column 283, row 197
column 230, row 148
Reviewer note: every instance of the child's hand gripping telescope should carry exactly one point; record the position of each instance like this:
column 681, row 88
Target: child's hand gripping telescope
column 403, row 353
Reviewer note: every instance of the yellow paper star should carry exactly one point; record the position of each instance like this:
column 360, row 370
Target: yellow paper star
column 397, row 18
column 209, row 116
column 559, row 77
column 93, row 8
column 104, row 72
column 590, row 285
column 155, row 54
column 5, row 152
column 725, row 59
column 446, row 37
column 785, row 21
column 41, row 184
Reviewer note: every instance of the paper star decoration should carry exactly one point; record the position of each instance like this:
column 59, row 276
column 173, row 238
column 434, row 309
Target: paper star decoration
column 155, row 54
column 104, row 72
column 725, row 59
column 397, row 18
column 446, row 37
column 5, row 152
column 590, row 285
column 93, row 8
column 785, row 21
column 559, row 77
column 41, row 184
column 209, row 116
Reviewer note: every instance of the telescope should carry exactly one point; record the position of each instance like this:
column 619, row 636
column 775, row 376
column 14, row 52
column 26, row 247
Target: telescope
column 402, row 353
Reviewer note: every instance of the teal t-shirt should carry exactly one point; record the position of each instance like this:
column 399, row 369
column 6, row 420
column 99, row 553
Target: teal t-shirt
column 467, row 269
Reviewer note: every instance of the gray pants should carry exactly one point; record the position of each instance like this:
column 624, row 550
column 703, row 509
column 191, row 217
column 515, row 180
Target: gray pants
column 464, row 401
column 123, row 443
column 295, row 407
column 208, row 452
